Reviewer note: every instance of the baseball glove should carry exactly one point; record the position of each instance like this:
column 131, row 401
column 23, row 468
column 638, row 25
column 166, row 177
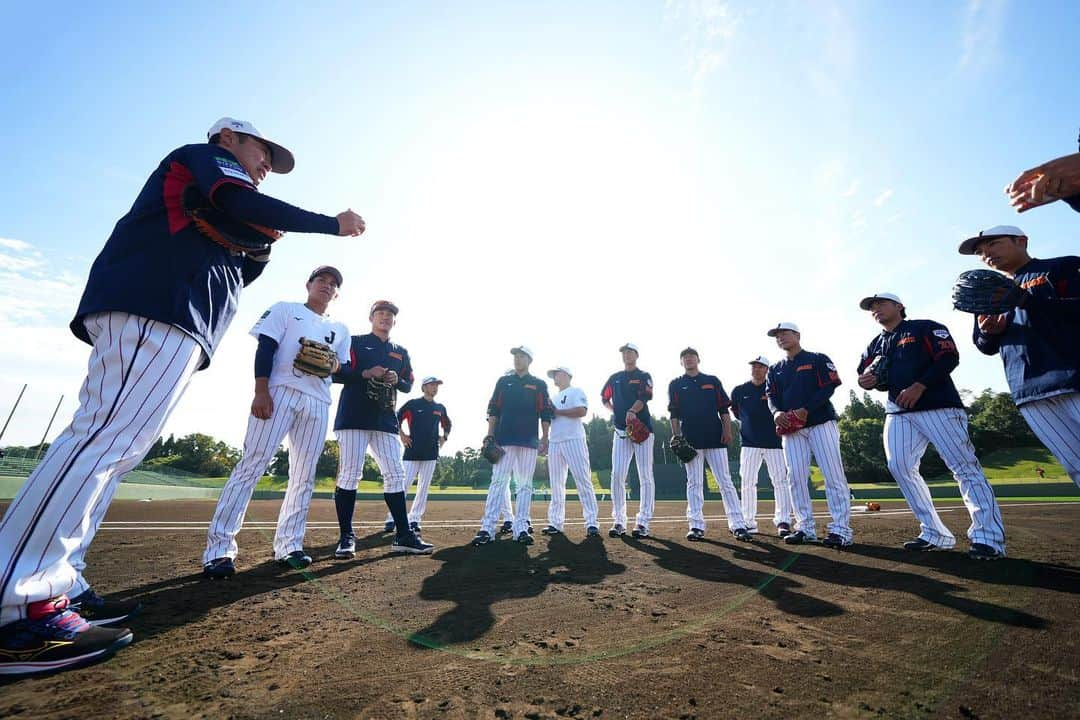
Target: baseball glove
column 985, row 292
column 879, row 367
column 315, row 358
column 682, row 448
column 384, row 394
column 794, row 423
column 637, row 431
column 873, row 506
column 490, row 451
column 234, row 235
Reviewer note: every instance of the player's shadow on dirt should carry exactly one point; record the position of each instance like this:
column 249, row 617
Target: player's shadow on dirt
column 178, row 601
column 833, row 569
column 780, row 590
column 475, row 578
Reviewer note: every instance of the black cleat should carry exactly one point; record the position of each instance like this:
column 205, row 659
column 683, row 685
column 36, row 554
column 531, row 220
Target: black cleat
column 695, row 535
column 640, row 532
column 920, row 545
column 346, row 547
column 979, row 551
column 832, row 540
column 482, row 538
column 592, row 532
column 96, row 610
column 525, row 538
column 219, row 568
column 616, row 531
column 742, row 535
column 297, row 560
column 796, row 538
column 551, row 530
column 783, row 529
column 411, row 544
column 507, row 528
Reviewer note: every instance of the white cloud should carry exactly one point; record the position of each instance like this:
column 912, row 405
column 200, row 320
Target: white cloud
column 852, row 189
column 709, row 28
column 33, row 291
column 18, row 245
column 983, row 22
column 883, row 197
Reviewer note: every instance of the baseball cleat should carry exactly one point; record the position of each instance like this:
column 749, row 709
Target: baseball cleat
column 52, row 638
column 616, row 531
column 346, row 547
column 528, row 527
column 742, row 535
column 833, row 540
column 96, row 610
column 796, row 538
column 979, row 551
column 592, row 532
column 695, row 534
column 219, row 568
column 389, row 526
column 297, row 560
column 920, row 545
column 507, row 528
column 783, row 530
column 640, row 532
column 415, row 527
column 482, row 538
column 551, row 530
column 525, row 538
column 411, row 544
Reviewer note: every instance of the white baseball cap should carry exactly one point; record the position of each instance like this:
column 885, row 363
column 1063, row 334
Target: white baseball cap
column 968, row 246
column 430, row 379
column 783, row 326
column 282, row 160
column 630, row 346
column 523, row 349
column 866, row 302
column 561, row 368
column 760, row 360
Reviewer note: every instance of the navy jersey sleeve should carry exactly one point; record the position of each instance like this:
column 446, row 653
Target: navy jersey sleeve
column 444, row 421
column 249, row 205
column 544, row 408
column 607, row 394
column 772, row 391
column 673, row 400
column 211, row 167
column 828, row 380
column 405, row 377
column 723, row 402
column 735, row 397
column 495, row 403
column 867, row 356
column 987, row 344
column 940, row 346
column 350, row 373
column 645, row 390
column 405, row 413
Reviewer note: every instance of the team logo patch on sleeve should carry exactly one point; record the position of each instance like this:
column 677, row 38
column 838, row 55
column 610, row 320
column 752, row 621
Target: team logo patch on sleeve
column 233, row 169
column 831, row 366
column 942, row 333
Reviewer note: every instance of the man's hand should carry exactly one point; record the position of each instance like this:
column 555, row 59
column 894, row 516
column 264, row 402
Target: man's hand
column 725, row 436
column 781, row 420
column 349, row 223
column 374, row 372
column 802, row 413
column 262, row 406
column 910, row 395
column 406, row 440
column 867, row 381
column 993, row 324
column 442, row 441
column 630, row 415
column 1046, row 183
column 390, row 376
column 542, row 450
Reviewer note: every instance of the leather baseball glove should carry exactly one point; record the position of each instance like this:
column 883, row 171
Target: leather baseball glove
column 234, row 235
column 382, row 392
column 315, row 358
column 490, row 451
column 682, row 448
column 794, row 423
column 873, row 506
column 637, row 431
column 985, row 292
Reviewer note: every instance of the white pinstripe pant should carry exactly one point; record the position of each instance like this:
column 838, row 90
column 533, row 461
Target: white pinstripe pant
column 824, row 442
column 573, row 456
column 138, row 370
column 303, row 419
column 1056, row 422
column 695, row 488
column 425, row 469
column 385, row 448
column 906, row 438
column 521, row 463
column 750, row 459
column 623, row 449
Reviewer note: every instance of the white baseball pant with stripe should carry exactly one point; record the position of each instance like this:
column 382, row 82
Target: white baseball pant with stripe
column 521, row 463
column 138, row 370
column 906, row 438
column 300, row 417
column 385, row 448
column 424, row 470
column 573, row 456
column 1056, row 422
column 824, row 442
column 750, row 459
column 695, row 488
column 623, row 449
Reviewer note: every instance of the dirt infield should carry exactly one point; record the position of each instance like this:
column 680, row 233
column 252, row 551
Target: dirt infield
column 656, row 628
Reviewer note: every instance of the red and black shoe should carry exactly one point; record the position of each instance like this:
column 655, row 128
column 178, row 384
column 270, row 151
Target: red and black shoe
column 53, row 638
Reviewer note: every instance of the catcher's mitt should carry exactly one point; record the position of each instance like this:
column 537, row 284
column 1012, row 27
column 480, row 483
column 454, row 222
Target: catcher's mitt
column 490, row 451
column 382, row 393
column 873, row 506
column 794, row 423
column 682, row 448
column 234, row 235
column 637, row 431
column 985, row 292
column 315, row 358
column 879, row 367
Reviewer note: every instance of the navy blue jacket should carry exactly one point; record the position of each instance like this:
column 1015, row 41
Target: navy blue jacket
column 623, row 389
column 699, row 403
column 356, row 411
column 425, row 417
column 519, row 403
column 751, row 406
column 804, row 381
column 918, row 351
column 1040, row 347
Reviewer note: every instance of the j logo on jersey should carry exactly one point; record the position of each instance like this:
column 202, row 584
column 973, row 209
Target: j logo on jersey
column 330, row 338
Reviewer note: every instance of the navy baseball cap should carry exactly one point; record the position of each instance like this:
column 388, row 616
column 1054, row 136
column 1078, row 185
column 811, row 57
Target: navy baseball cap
column 688, row 351
column 383, row 305
column 326, row 270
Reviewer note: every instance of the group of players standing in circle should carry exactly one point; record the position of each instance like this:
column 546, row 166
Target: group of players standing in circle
column 163, row 291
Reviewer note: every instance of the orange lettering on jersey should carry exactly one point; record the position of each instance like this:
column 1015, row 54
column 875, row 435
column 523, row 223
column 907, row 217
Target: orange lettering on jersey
column 438, row 414
column 635, row 382
column 530, row 387
column 396, row 356
column 1035, row 282
column 905, row 340
column 804, row 367
column 708, row 386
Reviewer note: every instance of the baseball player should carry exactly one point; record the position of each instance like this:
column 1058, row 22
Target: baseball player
column 158, row 300
column 699, row 412
column 366, row 418
column 760, row 443
column 626, row 394
column 923, row 406
column 1039, row 341
column 567, row 451
column 288, row 402
column 802, row 384
column 424, row 417
column 519, row 402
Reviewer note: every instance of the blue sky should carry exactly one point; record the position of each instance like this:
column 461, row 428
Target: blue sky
column 565, row 175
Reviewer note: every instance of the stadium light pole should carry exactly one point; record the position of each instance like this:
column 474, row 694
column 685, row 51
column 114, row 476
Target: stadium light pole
column 12, row 413
column 47, row 428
